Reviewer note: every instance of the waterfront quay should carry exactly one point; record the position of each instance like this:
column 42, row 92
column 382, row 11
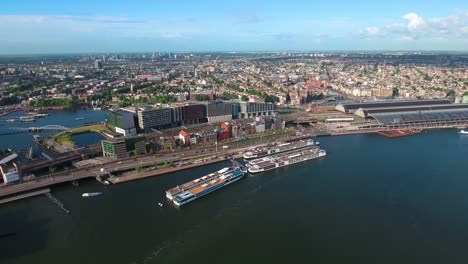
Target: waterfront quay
column 130, row 164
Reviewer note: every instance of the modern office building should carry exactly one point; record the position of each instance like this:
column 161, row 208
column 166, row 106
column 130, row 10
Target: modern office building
column 218, row 111
column 235, row 110
column 154, row 118
column 124, row 147
column 250, row 109
column 193, row 114
column 121, row 122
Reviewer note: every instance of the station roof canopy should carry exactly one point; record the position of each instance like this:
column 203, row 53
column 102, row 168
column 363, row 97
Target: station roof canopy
column 421, row 117
column 351, row 107
column 364, row 112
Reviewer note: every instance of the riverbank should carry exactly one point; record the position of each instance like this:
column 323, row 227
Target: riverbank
column 157, row 172
column 65, row 140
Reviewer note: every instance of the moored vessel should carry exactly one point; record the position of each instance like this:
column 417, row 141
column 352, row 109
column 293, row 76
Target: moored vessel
column 215, row 184
column 265, row 151
column 197, row 182
column 463, row 132
column 289, row 159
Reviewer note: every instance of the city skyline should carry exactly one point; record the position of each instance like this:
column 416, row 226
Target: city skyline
column 190, row 26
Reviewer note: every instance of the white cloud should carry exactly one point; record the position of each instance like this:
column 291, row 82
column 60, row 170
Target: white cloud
column 415, row 22
column 371, row 31
column 415, row 27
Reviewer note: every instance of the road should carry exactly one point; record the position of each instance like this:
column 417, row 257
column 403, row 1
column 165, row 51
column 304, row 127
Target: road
column 114, row 166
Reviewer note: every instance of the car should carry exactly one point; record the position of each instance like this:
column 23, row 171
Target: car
column 119, row 162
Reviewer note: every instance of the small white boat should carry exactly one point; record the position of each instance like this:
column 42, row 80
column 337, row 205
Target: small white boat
column 463, row 132
column 317, row 143
column 91, row 194
column 160, row 204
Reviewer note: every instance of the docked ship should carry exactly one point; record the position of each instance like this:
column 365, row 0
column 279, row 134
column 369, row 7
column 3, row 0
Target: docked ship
column 463, row 132
column 254, row 162
column 266, row 151
column 197, row 182
column 204, row 185
column 289, row 159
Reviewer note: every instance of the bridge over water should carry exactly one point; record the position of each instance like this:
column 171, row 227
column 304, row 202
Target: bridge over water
column 48, row 127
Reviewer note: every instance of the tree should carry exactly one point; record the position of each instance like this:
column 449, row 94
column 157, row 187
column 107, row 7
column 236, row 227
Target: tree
column 288, row 98
column 136, row 152
column 202, row 97
column 244, row 98
column 138, row 169
column 395, row 92
column 451, row 93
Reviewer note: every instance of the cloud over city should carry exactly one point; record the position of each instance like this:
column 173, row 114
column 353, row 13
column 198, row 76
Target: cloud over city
column 412, row 26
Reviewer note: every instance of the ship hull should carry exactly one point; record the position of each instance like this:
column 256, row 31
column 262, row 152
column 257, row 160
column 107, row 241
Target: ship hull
column 271, row 152
column 253, row 170
column 214, row 188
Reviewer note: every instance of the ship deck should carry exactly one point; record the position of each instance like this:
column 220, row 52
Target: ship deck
column 191, row 184
column 205, row 186
column 264, row 164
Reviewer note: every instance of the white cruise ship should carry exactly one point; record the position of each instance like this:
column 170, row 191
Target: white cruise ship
column 227, row 178
column 292, row 158
column 265, row 151
column 197, row 182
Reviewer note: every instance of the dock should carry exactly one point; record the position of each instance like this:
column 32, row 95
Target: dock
column 57, row 202
column 157, row 172
column 398, row 133
column 238, row 164
column 23, row 196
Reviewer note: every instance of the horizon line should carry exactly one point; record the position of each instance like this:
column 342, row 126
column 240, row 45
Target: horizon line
column 234, row 52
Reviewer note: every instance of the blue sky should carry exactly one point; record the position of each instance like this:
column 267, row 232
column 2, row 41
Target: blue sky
column 46, row 26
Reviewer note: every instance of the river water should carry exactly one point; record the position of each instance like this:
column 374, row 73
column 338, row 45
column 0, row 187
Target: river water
column 371, row 200
column 13, row 134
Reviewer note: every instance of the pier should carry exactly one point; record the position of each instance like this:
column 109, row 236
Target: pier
column 57, row 202
column 25, row 195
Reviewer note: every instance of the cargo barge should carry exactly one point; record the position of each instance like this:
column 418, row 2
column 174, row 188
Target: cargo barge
column 292, row 158
column 266, row 151
column 204, row 185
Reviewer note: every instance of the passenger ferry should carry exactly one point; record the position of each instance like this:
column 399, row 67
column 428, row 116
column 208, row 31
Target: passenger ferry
column 289, row 159
column 217, row 183
column 197, row 182
column 265, row 151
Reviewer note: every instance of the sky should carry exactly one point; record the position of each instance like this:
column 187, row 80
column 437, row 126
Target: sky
column 47, row 26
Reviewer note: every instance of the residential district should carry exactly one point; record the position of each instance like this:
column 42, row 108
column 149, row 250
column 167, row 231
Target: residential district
column 167, row 111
